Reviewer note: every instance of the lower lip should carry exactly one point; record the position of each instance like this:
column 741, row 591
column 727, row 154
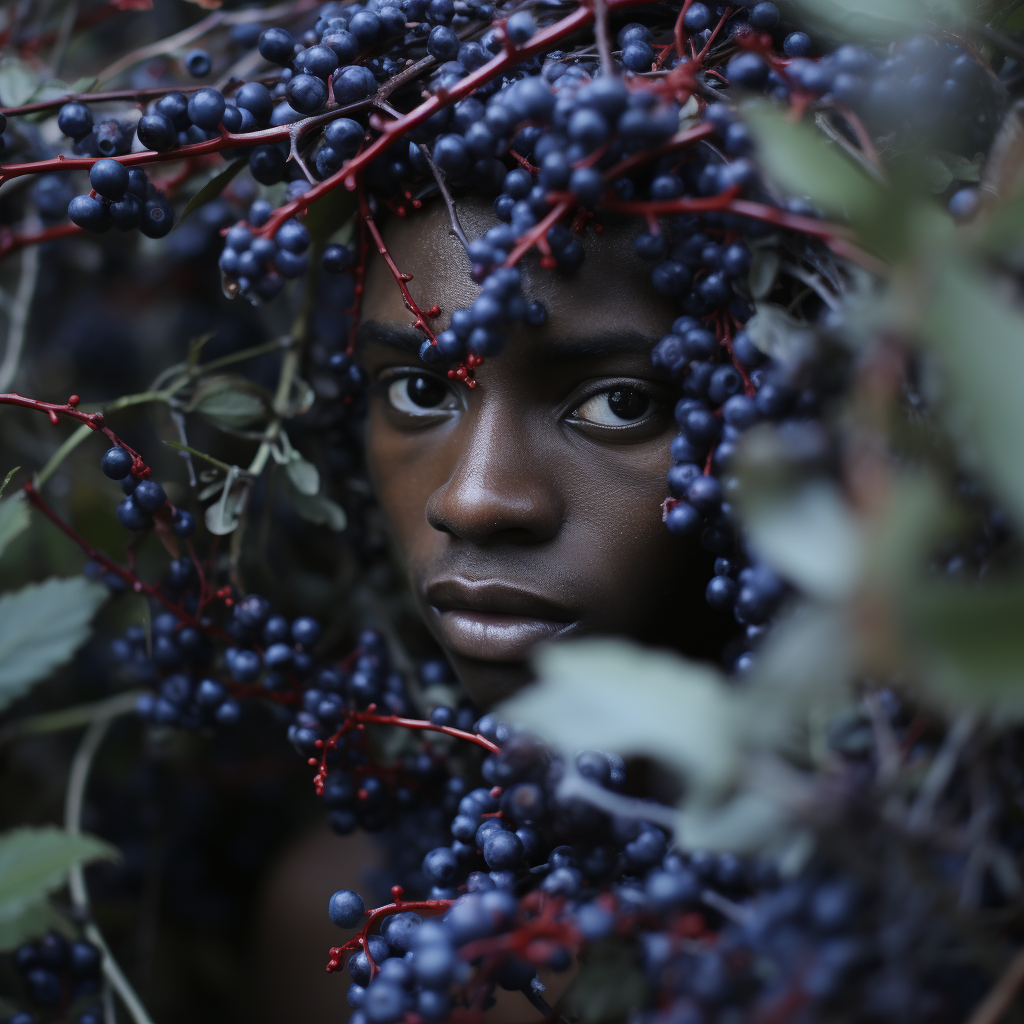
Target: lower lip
column 489, row 637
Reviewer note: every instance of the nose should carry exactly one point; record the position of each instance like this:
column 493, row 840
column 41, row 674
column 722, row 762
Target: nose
column 501, row 487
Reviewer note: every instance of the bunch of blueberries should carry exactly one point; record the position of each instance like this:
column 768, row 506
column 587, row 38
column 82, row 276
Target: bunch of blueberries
column 143, row 497
column 518, row 835
column 56, row 971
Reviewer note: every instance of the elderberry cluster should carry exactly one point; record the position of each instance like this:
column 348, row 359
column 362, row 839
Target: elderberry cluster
column 55, row 971
column 144, row 498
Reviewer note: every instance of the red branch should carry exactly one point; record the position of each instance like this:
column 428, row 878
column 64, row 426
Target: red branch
column 118, row 95
column 119, row 570
column 11, row 241
column 401, row 278
column 359, row 941
column 393, row 131
column 91, row 419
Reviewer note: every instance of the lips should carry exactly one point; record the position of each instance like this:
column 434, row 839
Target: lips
column 492, row 621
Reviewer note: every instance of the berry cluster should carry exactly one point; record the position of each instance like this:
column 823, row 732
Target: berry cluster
column 57, row 972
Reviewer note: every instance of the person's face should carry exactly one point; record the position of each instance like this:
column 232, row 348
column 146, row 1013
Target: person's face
column 528, row 508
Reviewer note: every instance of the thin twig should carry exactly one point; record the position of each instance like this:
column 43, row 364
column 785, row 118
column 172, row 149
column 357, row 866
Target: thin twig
column 863, row 159
column 79, row 777
column 574, row 785
column 69, row 718
column 453, row 216
column 815, row 283
column 1001, row 997
column 179, row 423
column 941, row 771
column 604, row 47
column 18, row 321
column 200, row 29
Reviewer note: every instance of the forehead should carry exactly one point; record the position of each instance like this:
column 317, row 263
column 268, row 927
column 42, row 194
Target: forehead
column 610, row 293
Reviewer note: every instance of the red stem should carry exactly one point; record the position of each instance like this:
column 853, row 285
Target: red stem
column 401, row 279
column 91, row 419
column 359, row 941
column 118, row 570
column 10, row 241
column 393, row 131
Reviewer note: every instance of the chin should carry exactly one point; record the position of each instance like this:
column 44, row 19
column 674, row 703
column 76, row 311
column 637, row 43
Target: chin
column 489, row 682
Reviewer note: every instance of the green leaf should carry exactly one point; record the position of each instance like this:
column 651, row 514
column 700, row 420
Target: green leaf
column 764, row 272
column 608, row 987
column 13, row 519
column 212, row 188
column 319, row 509
column 804, row 163
column 18, row 81
column 628, row 700
column 878, row 19
column 30, row 923
column 7, row 479
column 230, row 401
column 779, row 334
column 34, row 861
column 972, row 644
column 810, row 537
column 304, row 475
column 981, row 342
column 224, row 515
column 84, row 84
column 41, row 626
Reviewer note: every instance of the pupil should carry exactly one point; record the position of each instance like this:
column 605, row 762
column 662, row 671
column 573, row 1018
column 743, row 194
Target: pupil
column 627, row 404
column 426, row 392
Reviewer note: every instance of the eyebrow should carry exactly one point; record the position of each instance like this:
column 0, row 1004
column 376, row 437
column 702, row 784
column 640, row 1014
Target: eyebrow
column 596, row 346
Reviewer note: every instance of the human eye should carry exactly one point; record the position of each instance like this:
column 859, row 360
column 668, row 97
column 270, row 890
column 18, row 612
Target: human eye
column 419, row 394
column 620, row 411
column 618, row 407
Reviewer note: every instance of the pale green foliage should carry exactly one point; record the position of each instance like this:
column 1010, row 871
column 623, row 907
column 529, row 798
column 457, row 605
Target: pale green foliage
column 41, row 626
column 13, row 519
column 34, row 862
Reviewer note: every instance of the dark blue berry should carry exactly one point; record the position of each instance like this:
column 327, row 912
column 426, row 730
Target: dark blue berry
column 156, row 131
column 346, row 908
column 116, row 463
column 197, row 63
column 277, row 46
column 206, row 108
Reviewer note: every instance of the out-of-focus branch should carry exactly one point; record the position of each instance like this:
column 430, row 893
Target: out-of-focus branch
column 18, row 320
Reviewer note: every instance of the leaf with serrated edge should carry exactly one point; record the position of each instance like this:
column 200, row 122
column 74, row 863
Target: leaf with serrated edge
column 13, row 519
column 34, row 861
column 41, row 626
column 679, row 712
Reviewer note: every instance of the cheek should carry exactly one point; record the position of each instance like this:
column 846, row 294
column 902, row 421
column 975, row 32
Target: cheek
column 405, row 470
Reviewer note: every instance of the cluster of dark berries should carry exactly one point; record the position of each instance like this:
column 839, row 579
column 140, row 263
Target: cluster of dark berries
column 144, row 498
column 56, row 971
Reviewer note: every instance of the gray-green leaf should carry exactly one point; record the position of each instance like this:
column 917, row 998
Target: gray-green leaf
column 41, row 626
column 13, row 519
column 34, row 861
column 230, row 401
column 303, row 474
column 619, row 697
column 981, row 341
column 319, row 509
column 804, row 163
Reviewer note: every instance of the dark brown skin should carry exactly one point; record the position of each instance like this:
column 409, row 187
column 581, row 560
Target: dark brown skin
column 529, row 508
